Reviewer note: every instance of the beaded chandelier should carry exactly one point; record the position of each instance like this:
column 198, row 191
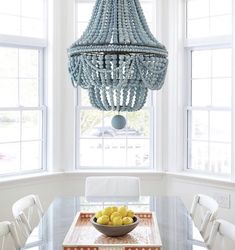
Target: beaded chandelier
column 117, row 59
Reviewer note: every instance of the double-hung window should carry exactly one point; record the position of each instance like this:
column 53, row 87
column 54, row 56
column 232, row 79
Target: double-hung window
column 208, row 47
column 98, row 144
column 22, row 109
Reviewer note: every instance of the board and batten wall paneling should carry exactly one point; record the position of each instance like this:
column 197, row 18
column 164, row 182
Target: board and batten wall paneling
column 186, row 187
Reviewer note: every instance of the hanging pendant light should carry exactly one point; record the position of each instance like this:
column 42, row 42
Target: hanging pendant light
column 117, row 59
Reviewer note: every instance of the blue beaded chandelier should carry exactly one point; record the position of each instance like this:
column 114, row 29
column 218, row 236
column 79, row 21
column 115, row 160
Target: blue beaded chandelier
column 117, row 59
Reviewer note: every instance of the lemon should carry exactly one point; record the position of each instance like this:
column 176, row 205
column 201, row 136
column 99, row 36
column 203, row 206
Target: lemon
column 98, row 214
column 103, row 220
column 114, row 209
column 117, row 221
column 107, row 211
column 115, row 214
column 127, row 220
column 110, row 223
column 130, row 213
column 123, row 211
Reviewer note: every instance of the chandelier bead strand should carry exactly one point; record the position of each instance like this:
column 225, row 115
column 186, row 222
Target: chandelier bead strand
column 117, row 59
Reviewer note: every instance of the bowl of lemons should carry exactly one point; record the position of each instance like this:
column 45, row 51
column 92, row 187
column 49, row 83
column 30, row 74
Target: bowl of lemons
column 115, row 221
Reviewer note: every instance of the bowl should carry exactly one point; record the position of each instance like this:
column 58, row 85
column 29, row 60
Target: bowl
column 115, row 231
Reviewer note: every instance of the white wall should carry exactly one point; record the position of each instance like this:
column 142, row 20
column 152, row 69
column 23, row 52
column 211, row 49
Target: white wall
column 47, row 187
column 186, row 187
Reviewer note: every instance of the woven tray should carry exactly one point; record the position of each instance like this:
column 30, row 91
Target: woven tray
column 83, row 236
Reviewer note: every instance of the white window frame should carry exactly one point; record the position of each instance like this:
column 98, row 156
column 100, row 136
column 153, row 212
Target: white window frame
column 152, row 157
column 155, row 151
column 40, row 44
column 200, row 44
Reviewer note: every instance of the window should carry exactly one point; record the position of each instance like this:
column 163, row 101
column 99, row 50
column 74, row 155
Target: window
column 209, row 53
column 209, row 18
column 22, row 109
column 98, row 144
column 23, row 18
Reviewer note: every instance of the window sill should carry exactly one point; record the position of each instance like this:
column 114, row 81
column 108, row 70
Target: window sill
column 40, row 176
column 138, row 173
column 200, row 178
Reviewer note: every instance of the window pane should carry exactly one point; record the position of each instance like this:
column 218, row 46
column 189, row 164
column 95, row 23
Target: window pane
column 221, row 63
column 199, row 155
column 211, row 77
column 198, row 8
column 138, row 153
column 149, row 13
column 91, row 123
column 91, row 152
column 31, row 125
column 30, row 155
column 23, row 18
column 200, row 125
column 11, row 7
column 31, row 27
column 8, row 69
column 221, row 92
column 220, row 155
column 8, row 92
column 221, row 25
column 198, row 28
column 28, row 63
column 9, row 126
column 29, row 92
column 84, row 11
column 206, row 18
column 201, row 92
column 84, row 100
column 201, row 64
column 9, row 158
column 220, row 123
column 31, row 8
column 12, row 27
column 114, row 153
column 138, row 123
column 218, row 7
column 81, row 28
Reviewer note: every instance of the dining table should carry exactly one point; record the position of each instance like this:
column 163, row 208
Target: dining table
column 176, row 227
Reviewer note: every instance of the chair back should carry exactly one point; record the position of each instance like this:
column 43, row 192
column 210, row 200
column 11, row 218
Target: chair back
column 222, row 236
column 203, row 211
column 27, row 212
column 8, row 236
column 112, row 188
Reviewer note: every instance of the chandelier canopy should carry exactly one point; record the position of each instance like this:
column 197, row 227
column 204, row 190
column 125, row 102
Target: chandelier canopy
column 117, row 59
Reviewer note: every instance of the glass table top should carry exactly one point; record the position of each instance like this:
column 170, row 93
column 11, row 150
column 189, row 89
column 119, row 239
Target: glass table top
column 177, row 229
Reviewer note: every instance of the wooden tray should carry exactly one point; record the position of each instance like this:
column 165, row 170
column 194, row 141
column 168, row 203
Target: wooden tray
column 83, row 236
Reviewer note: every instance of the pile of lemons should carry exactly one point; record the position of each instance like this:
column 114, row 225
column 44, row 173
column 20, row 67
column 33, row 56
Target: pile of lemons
column 115, row 216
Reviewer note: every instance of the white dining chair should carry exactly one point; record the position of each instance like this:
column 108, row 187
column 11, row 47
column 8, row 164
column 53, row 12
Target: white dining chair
column 203, row 212
column 27, row 212
column 8, row 236
column 112, row 188
column 222, row 236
